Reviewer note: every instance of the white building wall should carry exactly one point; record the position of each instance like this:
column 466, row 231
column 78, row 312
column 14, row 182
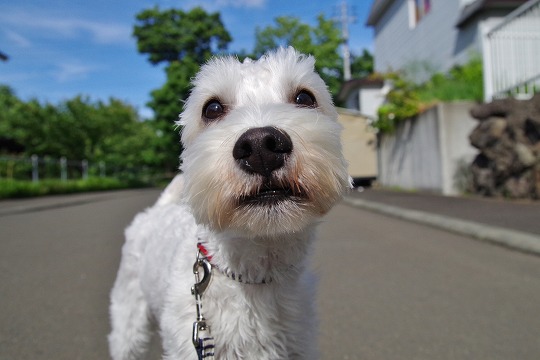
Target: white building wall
column 370, row 99
column 465, row 2
column 409, row 158
column 455, row 126
column 426, row 152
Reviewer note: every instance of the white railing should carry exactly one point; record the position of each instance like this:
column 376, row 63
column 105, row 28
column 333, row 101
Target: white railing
column 12, row 167
column 511, row 52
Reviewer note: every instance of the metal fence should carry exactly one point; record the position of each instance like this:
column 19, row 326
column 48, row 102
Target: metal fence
column 511, row 52
column 36, row 168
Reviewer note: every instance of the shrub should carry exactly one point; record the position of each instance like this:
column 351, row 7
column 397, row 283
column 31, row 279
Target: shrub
column 407, row 99
column 20, row 189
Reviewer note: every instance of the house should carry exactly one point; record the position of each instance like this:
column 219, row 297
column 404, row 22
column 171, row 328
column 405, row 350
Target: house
column 421, row 37
column 431, row 150
column 363, row 95
column 427, row 36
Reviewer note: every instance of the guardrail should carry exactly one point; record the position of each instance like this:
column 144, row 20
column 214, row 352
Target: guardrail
column 511, row 51
column 35, row 167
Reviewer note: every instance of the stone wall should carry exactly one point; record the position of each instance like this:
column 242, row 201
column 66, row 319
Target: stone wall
column 508, row 140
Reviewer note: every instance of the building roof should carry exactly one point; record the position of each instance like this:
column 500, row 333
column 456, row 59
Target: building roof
column 379, row 7
column 476, row 7
column 377, row 10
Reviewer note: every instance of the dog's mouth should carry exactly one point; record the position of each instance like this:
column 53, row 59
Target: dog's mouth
column 272, row 193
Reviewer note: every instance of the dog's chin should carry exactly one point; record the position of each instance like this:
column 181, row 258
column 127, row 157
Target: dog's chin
column 270, row 210
column 272, row 216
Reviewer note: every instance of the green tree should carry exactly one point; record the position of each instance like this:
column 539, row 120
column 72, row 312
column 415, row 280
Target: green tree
column 167, row 105
column 182, row 41
column 172, row 35
column 36, row 126
column 321, row 41
column 129, row 143
column 362, row 65
column 80, row 128
column 9, row 104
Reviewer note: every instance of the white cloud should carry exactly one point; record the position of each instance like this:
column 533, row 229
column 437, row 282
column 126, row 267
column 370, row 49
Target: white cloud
column 105, row 33
column 17, row 39
column 100, row 32
column 216, row 5
column 72, row 71
column 242, row 3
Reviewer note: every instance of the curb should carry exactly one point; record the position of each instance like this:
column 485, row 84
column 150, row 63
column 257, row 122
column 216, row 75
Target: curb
column 59, row 201
column 36, row 208
column 517, row 240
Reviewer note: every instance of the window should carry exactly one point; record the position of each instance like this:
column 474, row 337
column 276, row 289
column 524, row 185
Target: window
column 417, row 10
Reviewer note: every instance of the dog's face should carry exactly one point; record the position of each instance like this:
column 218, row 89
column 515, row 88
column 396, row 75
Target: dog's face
column 262, row 145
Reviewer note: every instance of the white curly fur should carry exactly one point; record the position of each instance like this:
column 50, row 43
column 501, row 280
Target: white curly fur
column 275, row 320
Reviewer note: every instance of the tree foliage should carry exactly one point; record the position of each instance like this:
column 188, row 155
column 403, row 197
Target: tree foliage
column 362, row 65
column 321, row 41
column 173, row 35
column 79, row 128
column 167, row 103
column 182, row 41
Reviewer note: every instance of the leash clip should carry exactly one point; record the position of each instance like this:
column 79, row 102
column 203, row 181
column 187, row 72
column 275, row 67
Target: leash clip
column 203, row 344
column 200, row 285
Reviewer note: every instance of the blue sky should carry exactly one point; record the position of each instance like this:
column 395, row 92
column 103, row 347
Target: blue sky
column 59, row 48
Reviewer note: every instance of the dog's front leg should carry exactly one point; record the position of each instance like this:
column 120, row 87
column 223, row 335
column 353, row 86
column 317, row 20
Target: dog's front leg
column 129, row 313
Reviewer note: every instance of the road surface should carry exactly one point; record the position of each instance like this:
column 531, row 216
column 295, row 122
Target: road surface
column 389, row 289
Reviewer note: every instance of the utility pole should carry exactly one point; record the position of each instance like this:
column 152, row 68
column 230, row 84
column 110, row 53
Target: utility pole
column 344, row 19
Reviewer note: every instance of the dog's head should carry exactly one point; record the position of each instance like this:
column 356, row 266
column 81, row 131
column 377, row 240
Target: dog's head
column 262, row 145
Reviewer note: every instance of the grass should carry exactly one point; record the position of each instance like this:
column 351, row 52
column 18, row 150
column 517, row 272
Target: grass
column 21, row 188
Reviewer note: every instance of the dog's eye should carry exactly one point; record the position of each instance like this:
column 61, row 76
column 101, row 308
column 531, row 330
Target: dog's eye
column 213, row 110
column 305, row 98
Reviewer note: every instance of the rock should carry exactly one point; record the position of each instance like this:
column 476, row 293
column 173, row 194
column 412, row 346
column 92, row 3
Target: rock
column 525, row 155
column 487, row 133
column 518, row 186
column 508, row 140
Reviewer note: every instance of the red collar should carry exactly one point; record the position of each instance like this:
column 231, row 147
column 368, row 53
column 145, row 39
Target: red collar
column 237, row 277
column 204, row 251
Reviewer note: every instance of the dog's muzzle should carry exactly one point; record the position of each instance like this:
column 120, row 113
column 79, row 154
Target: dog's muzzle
column 262, row 150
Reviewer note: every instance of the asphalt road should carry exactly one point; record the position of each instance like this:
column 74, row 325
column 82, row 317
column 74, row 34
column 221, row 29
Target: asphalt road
column 389, row 289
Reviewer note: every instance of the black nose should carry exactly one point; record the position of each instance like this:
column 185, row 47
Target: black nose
column 262, row 150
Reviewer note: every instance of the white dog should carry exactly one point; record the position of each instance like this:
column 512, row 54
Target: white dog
column 262, row 164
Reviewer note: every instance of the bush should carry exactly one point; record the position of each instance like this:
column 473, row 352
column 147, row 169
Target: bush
column 20, row 189
column 407, row 99
column 463, row 82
